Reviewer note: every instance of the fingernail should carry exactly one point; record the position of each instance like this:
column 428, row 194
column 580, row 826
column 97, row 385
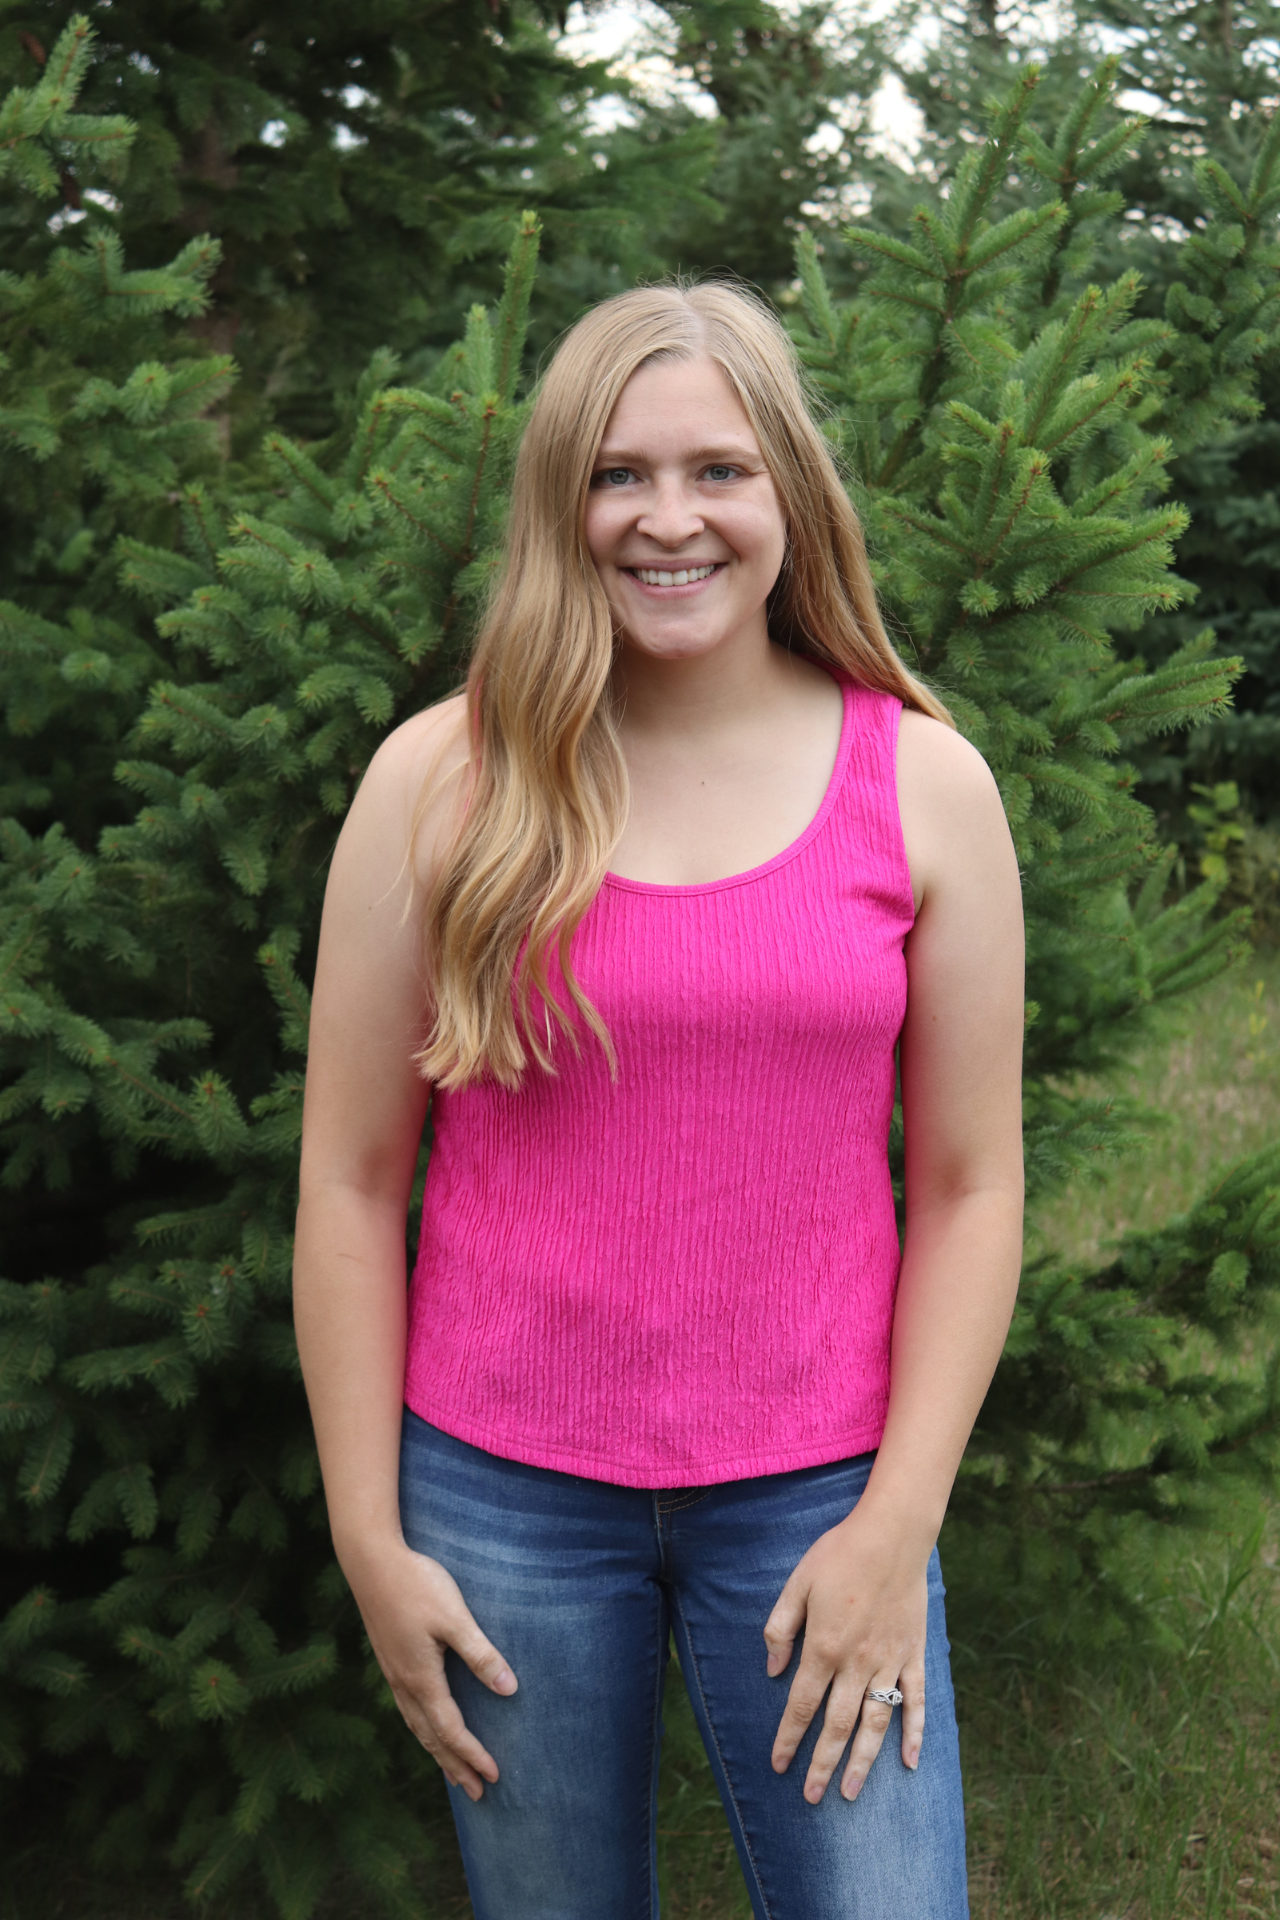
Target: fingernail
column 813, row 1795
column 850, row 1789
column 504, row 1682
column 771, row 1665
column 914, row 1760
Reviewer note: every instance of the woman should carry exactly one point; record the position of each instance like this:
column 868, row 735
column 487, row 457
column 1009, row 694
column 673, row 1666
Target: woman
column 689, row 860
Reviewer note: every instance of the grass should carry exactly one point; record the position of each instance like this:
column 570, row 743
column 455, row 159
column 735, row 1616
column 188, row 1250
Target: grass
column 1145, row 1787
column 1214, row 1091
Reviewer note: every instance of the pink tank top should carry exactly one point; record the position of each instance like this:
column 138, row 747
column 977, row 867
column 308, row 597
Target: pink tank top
column 687, row 1275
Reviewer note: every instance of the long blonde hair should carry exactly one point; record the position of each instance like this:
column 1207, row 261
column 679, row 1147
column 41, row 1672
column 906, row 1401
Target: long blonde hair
column 547, row 793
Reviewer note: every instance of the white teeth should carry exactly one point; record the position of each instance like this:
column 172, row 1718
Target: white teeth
column 655, row 577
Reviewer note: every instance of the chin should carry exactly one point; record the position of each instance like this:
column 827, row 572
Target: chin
column 678, row 647
column 672, row 639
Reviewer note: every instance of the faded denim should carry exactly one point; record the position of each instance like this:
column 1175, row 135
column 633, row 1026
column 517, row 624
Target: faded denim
column 580, row 1584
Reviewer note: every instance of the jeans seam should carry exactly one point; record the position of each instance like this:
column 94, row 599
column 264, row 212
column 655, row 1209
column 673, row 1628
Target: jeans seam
column 724, row 1768
column 680, row 1504
column 655, row 1742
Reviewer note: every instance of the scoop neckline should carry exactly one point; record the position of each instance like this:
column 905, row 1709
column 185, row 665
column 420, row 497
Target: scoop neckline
column 789, row 852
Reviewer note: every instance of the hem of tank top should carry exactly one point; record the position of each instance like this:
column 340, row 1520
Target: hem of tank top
column 795, row 847
column 753, row 1466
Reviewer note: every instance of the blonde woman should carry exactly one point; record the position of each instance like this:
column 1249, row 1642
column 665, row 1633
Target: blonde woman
column 695, row 863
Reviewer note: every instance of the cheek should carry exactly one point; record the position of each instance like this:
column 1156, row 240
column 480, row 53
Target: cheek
column 764, row 539
column 601, row 525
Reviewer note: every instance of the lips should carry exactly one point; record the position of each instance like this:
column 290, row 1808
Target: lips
column 674, row 576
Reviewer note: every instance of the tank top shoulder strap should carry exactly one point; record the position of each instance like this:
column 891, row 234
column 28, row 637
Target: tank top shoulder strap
column 866, row 816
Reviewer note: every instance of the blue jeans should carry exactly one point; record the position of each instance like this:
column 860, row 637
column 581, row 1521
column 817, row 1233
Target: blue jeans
column 579, row 1583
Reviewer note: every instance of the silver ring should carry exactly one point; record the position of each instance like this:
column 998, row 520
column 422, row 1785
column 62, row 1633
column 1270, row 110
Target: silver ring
column 891, row 1696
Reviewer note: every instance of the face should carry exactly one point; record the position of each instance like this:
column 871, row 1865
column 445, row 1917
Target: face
column 682, row 520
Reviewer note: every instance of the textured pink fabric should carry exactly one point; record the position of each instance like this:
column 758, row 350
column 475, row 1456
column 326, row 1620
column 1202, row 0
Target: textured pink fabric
column 687, row 1275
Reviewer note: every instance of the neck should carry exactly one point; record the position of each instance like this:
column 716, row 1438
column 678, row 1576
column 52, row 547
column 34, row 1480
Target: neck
column 732, row 683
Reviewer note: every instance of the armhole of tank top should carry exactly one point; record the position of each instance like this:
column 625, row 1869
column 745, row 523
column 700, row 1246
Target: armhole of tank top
column 909, row 892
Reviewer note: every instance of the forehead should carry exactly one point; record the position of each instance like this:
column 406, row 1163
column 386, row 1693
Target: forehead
column 672, row 403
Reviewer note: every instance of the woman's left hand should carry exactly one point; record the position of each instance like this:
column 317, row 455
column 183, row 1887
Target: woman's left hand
column 861, row 1595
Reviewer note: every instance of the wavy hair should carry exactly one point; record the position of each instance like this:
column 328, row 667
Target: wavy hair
column 547, row 793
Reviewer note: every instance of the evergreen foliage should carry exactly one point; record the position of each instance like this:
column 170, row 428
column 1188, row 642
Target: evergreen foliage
column 785, row 87
column 1206, row 72
column 332, row 150
column 174, row 1635
column 93, row 439
column 1213, row 71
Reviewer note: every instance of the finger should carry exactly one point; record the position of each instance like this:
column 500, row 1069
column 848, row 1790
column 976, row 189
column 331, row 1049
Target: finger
column 912, row 1684
column 784, row 1623
column 837, row 1724
column 459, row 1774
column 873, row 1724
column 480, row 1654
column 444, row 1717
column 803, row 1701
column 433, row 1714
column 459, row 1755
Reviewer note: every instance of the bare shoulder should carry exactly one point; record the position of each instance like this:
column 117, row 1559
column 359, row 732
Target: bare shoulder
column 953, row 820
column 419, row 750
column 933, row 759
column 423, row 759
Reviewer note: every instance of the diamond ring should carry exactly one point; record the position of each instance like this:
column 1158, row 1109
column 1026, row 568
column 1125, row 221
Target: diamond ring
column 891, row 1696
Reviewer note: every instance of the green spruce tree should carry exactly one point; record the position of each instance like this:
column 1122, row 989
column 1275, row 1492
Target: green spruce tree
column 787, row 88
column 1204, row 74
column 103, row 404
column 331, row 150
column 1208, row 79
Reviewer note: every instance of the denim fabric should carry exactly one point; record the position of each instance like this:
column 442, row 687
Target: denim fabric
column 579, row 1584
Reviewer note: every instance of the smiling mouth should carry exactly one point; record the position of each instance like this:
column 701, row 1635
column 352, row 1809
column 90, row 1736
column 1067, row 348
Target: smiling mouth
column 674, row 577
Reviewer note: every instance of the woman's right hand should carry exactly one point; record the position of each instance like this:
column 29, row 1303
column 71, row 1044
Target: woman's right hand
column 413, row 1610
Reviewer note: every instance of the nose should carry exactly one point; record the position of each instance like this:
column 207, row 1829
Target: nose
column 670, row 515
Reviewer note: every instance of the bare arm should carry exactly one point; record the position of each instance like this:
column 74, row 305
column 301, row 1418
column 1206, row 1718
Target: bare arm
column 961, row 1064
column 362, row 1120
column 861, row 1588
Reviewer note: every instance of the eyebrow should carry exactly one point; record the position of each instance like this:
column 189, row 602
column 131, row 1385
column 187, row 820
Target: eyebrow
column 732, row 450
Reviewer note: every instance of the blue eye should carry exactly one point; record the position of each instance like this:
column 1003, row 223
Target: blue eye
column 721, row 473
column 613, row 477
